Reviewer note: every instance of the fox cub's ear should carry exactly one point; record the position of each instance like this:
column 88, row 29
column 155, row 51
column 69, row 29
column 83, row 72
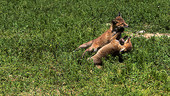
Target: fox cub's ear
column 119, row 14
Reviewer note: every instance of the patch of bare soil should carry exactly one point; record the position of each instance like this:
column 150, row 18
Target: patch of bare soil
column 148, row 35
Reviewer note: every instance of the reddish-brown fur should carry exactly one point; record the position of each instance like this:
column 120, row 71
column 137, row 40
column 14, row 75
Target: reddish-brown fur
column 113, row 47
column 105, row 38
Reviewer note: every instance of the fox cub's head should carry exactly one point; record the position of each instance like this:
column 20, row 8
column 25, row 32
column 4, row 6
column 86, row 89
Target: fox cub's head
column 127, row 46
column 119, row 22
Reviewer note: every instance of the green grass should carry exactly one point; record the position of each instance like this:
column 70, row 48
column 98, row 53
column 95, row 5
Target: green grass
column 37, row 39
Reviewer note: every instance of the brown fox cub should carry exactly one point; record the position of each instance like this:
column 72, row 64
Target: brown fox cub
column 116, row 26
column 113, row 47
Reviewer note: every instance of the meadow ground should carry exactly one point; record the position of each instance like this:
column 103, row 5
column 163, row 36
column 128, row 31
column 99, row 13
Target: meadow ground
column 37, row 39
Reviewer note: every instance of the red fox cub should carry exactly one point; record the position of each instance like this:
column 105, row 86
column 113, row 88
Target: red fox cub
column 116, row 26
column 112, row 48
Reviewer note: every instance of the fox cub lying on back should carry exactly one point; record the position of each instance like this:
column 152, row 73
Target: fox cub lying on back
column 116, row 26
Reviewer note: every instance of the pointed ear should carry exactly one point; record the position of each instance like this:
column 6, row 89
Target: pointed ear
column 128, row 40
column 119, row 14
